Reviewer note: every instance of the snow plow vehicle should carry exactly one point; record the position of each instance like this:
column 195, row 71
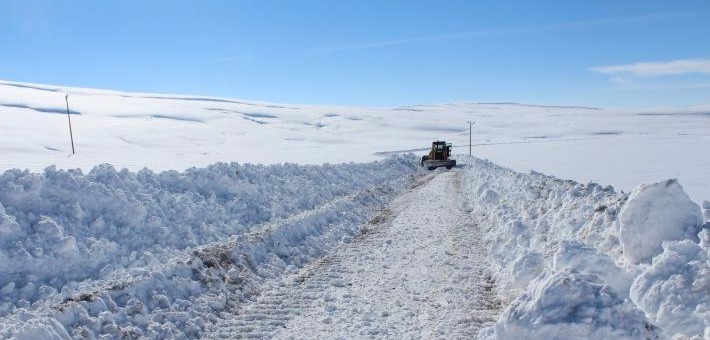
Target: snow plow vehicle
column 438, row 156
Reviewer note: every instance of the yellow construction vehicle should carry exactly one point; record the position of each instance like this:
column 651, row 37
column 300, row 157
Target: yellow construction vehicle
column 438, row 156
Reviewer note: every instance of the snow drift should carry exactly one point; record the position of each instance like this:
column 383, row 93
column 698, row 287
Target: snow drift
column 130, row 254
column 583, row 261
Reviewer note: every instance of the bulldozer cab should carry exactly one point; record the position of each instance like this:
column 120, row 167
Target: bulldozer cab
column 438, row 156
column 440, row 150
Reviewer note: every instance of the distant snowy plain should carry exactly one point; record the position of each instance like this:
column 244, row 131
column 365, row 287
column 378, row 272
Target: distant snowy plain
column 161, row 252
column 623, row 148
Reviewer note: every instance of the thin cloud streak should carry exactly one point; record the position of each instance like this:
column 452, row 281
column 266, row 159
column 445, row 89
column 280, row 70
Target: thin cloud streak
column 506, row 31
column 661, row 86
column 658, row 68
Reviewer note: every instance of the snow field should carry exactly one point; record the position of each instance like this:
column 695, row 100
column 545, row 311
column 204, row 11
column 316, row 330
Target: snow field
column 582, row 261
column 117, row 253
column 175, row 132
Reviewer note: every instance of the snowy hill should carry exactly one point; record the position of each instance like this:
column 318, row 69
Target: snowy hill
column 623, row 148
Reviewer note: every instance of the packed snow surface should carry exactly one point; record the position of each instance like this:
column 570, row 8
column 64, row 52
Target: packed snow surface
column 622, row 148
column 418, row 271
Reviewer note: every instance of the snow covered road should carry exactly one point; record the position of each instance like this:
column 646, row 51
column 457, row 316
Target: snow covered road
column 377, row 250
column 418, row 270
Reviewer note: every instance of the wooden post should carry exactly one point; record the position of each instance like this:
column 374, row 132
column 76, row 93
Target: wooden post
column 71, row 135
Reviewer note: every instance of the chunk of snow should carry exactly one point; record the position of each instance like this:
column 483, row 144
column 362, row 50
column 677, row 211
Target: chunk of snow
column 526, row 267
column 570, row 305
column 48, row 329
column 656, row 213
column 675, row 288
column 9, row 229
column 587, row 260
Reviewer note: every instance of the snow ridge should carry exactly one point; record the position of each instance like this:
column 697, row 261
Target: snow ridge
column 570, row 263
column 116, row 253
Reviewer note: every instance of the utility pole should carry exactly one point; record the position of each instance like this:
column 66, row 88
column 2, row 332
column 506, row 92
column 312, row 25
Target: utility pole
column 470, row 129
column 71, row 135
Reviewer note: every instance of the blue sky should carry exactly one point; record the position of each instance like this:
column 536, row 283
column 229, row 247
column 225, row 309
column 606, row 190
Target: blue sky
column 370, row 53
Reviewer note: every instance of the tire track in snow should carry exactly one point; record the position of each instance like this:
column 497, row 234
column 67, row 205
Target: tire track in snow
column 417, row 271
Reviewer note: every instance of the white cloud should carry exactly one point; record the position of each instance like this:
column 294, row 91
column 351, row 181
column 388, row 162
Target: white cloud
column 658, row 68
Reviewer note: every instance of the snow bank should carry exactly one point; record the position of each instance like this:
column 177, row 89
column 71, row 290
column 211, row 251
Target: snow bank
column 124, row 254
column 583, row 261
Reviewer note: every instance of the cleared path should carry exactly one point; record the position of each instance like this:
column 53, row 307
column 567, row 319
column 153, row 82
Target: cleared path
column 418, row 271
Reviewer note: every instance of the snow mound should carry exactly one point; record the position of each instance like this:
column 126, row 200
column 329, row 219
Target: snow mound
column 569, row 305
column 655, row 213
column 641, row 257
